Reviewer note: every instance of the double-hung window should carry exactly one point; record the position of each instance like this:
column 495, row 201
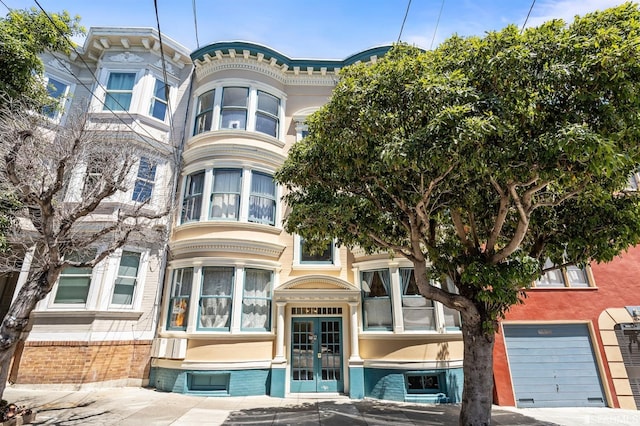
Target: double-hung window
column 127, row 279
column 74, row 282
column 417, row 312
column 57, row 91
column 159, row 102
column 233, row 113
column 204, row 116
column 376, row 288
column 256, row 299
column 192, row 201
column 216, row 297
column 145, row 179
column 179, row 298
column 267, row 114
column 119, row 91
column 225, row 194
column 262, row 202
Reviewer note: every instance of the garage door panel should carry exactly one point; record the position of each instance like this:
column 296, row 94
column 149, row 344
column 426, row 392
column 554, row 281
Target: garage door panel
column 553, row 365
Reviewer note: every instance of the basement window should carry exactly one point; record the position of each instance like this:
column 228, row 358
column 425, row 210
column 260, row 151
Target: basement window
column 210, row 383
column 419, row 383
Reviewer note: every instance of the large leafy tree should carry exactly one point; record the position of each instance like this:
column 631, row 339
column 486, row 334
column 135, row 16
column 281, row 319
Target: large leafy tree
column 477, row 161
column 24, row 35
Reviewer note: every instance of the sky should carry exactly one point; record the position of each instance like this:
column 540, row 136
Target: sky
column 326, row 29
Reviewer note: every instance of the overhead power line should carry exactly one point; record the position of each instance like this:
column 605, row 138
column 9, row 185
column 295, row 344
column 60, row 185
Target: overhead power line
column 527, row 18
column 406, row 13
column 195, row 23
column 435, row 30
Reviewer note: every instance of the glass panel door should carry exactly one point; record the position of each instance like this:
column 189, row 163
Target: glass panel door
column 316, row 355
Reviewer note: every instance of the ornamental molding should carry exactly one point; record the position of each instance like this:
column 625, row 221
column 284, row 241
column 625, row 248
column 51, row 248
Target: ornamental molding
column 168, row 66
column 126, row 57
column 280, row 73
column 319, row 279
column 258, row 248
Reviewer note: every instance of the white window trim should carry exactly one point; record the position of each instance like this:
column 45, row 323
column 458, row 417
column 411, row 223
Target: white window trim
column 252, row 105
column 65, row 99
column 97, row 279
column 159, row 182
column 113, row 264
column 297, row 256
column 247, row 172
column 148, row 86
column 396, row 301
column 239, row 266
column 100, row 91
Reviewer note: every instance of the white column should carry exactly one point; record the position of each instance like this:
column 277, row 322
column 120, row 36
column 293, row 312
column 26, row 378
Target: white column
column 396, row 299
column 355, row 348
column 280, row 332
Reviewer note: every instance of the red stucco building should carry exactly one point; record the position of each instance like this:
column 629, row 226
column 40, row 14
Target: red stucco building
column 574, row 342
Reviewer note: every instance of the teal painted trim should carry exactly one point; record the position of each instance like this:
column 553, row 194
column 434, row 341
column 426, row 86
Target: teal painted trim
column 241, row 382
column 356, row 382
column 390, row 384
column 316, row 64
column 278, row 379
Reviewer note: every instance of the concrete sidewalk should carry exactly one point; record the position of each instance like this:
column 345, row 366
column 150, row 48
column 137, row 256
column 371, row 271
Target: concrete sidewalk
column 137, row 406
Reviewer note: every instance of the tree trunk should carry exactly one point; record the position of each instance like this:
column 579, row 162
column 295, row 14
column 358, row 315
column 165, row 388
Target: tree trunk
column 16, row 320
column 477, row 393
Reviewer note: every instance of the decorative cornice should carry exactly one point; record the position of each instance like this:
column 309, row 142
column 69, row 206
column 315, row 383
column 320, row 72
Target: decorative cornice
column 322, row 279
column 125, row 57
column 258, row 248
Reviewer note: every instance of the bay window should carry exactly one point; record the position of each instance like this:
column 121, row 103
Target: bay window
column 179, row 298
column 262, row 201
column 233, row 113
column 216, row 297
column 238, row 108
column 267, row 114
column 256, row 299
column 234, row 194
column 192, row 200
column 158, row 108
column 376, row 286
column 74, row 282
column 204, row 116
column 145, row 180
column 119, row 91
column 57, row 91
column 417, row 312
column 225, row 194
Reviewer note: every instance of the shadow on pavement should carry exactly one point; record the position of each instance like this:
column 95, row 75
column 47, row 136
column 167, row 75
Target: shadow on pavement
column 366, row 413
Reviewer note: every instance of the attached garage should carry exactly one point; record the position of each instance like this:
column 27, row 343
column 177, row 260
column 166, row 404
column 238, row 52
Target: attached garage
column 553, row 365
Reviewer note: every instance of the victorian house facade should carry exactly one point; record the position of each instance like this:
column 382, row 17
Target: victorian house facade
column 234, row 305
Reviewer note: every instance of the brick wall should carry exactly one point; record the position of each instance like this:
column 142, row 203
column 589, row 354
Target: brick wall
column 82, row 362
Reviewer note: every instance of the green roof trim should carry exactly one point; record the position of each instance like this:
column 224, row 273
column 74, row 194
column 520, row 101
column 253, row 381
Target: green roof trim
column 316, row 64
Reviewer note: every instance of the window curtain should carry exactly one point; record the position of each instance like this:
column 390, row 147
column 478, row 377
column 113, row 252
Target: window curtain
column 119, row 91
column 256, row 303
column 205, row 113
column 262, row 203
column 215, row 301
column 192, row 202
column 225, row 195
column 377, row 303
column 405, row 279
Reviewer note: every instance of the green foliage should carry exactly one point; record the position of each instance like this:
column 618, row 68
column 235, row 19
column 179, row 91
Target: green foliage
column 24, row 35
column 486, row 156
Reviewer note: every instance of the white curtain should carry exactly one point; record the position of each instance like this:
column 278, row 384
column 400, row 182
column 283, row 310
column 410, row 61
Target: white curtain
column 256, row 303
column 377, row 303
column 225, row 195
column 192, row 202
column 215, row 301
column 262, row 203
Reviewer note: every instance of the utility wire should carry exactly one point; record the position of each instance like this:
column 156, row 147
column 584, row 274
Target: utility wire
column 528, row 14
column 195, row 22
column 406, row 13
column 98, row 82
column 164, row 70
column 435, row 30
